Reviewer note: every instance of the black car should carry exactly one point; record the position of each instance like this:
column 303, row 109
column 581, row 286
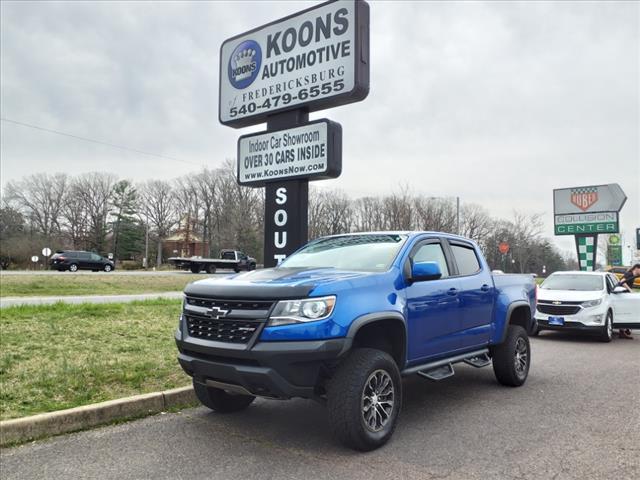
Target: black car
column 73, row 261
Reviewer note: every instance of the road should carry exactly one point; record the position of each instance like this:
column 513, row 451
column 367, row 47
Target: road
column 577, row 417
column 89, row 272
column 75, row 299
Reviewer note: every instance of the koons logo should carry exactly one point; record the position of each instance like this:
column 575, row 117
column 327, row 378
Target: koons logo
column 244, row 64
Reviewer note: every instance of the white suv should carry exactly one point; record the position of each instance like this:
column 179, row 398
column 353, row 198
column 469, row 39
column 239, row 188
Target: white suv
column 586, row 301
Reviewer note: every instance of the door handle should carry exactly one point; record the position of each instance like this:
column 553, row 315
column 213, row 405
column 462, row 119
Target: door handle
column 452, row 291
column 485, row 288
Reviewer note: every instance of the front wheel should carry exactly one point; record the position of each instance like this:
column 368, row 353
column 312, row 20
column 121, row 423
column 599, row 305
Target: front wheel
column 195, row 268
column 364, row 398
column 511, row 359
column 108, row 268
column 221, row 401
column 607, row 331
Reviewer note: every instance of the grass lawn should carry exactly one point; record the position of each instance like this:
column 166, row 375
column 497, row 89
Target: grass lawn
column 79, row 284
column 61, row 356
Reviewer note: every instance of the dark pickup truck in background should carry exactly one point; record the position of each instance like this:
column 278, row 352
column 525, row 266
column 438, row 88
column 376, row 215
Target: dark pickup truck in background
column 344, row 318
column 229, row 259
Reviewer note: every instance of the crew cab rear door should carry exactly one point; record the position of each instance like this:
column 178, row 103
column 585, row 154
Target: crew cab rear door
column 433, row 306
column 476, row 295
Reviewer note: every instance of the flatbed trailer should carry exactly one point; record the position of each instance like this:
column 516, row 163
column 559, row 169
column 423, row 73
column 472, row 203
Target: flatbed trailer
column 229, row 259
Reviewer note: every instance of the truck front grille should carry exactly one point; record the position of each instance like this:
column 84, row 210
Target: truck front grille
column 230, row 304
column 229, row 331
column 222, row 320
column 558, row 309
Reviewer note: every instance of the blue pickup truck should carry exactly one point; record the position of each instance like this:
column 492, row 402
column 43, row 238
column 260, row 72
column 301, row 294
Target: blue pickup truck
column 343, row 319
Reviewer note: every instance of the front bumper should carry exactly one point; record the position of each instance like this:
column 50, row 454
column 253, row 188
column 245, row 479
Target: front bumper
column 586, row 320
column 269, row 369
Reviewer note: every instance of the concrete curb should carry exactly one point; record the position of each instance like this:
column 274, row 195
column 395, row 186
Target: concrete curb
column 64, row 421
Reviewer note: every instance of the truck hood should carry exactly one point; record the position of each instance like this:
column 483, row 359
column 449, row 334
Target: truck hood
column 271, row 283
column 569, row 295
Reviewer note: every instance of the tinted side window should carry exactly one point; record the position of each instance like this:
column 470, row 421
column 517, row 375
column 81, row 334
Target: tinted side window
column 95, row 257
column 84, row 256
column 432, row 252
column 71, row 254
column 466, row 259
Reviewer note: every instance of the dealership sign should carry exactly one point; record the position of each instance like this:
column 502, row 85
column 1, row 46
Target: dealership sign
column 315, row 59
column 586, row 212
column 311, row 151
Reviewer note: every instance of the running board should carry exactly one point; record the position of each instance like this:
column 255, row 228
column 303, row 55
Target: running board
column 479, row 357
column 478, row 361
column 438, row 373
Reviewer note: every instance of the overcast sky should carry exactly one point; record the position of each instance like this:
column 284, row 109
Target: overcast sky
column 498, row 103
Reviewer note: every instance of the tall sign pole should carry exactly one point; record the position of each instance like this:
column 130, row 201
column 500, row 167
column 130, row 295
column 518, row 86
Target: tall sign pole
column 586, row 212
column 312, row 60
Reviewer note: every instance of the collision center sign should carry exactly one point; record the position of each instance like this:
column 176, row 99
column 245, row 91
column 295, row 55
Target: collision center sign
column 311, row 151
column 587, row 210
column 316, row 59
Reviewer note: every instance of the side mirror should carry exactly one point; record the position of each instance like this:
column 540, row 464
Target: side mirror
column 619, row 290
column 421, row 271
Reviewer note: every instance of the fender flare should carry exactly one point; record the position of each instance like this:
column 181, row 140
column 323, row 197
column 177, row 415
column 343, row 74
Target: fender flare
column 507, row 320
column 369, row 318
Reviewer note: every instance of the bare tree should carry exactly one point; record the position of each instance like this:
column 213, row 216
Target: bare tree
column 95, row 190
column 74, row 216
column 40, row 197
column 158, row 205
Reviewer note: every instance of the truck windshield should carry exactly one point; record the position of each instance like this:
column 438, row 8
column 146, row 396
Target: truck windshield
column 582, row 283
column 369, row 253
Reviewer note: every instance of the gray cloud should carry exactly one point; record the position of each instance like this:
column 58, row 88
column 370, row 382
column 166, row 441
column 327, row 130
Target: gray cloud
column 498, row 103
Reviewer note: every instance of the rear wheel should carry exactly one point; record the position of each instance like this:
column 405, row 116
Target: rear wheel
column 221, row 401
column 364, row 398
column 211, row 268
column 73, row 267
column 511, row 359
column 607, row 331
column 195, row 268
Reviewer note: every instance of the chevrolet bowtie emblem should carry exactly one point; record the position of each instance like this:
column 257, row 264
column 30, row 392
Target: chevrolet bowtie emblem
column 216, row 313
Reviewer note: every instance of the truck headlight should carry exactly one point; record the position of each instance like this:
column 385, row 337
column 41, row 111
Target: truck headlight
column 592, row 303
column 287, row 312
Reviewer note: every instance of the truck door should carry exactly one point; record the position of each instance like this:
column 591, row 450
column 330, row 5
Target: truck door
column 476, row 295
column 433, row 306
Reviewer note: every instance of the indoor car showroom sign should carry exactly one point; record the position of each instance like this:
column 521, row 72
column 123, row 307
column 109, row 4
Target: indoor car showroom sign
column 312, row 151
column 317, row 58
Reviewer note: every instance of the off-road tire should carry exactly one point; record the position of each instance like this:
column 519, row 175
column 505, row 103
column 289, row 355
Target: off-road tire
column 346, row 398
column 606, row 335
column 508, row 360
column 220, row 401
column 73, row 267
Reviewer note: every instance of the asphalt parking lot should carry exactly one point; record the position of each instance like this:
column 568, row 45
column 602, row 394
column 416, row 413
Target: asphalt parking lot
column 576, row 417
